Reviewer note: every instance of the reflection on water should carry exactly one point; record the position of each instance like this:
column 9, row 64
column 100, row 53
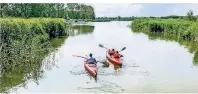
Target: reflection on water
column 104, row 86
column 190, row 45
column 195, row 58
column 81, row 29
column 16, row 78
column 57, row 42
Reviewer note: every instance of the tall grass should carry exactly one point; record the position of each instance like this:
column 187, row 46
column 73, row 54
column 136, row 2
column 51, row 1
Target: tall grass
column 24, row 42
column 187, row 30
column 183, row 31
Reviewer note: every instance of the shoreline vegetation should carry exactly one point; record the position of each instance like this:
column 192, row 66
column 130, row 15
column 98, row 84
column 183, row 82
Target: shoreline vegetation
column 24, row 45
column 29, row 35
column 108, row 19
column 185, row 29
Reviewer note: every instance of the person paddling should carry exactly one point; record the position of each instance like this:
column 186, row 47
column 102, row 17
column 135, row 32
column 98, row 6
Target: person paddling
column 111, row 52
column 91, row 60
column 116, row 55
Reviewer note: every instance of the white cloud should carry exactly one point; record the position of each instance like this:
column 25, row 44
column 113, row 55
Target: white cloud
column 117, row 9
column 148, row 9
column 183, row 9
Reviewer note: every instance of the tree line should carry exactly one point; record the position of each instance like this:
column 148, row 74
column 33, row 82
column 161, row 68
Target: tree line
column 189, row 16
column 54, row 10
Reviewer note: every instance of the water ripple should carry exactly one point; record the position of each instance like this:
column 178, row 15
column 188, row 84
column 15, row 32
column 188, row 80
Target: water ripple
column 105, row 86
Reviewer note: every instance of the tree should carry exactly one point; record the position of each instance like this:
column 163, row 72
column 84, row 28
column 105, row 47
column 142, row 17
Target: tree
column 119, row 17
column 57, row 10
column 190, row 16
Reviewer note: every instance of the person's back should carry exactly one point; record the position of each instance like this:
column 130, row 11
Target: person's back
column 91, row 60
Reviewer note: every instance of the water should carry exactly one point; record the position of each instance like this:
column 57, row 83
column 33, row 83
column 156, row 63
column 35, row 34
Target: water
column 149, row 65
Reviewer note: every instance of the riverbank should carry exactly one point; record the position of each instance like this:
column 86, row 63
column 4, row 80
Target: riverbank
column 24, row 44
column 182, row 31
column 24, row 37
column 186, row 30
column 29, row 48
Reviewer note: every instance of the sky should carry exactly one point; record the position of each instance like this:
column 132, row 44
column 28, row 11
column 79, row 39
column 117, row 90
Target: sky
column 143, row 9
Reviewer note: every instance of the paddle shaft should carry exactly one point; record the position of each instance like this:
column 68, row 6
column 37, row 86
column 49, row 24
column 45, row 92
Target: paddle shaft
column 82, row 57
column 100, row 45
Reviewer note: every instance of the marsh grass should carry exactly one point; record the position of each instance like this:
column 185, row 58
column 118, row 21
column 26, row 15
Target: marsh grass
column 24, row 43
column 187, row 30
column 182, row 31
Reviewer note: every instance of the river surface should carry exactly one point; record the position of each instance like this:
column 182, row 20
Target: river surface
column 149, row 65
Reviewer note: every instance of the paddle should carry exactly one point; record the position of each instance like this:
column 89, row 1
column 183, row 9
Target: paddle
column 100, row 45
column 122, row 49
column 81, row 57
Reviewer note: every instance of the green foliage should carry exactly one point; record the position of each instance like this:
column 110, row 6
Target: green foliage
column 26, row 48
column 54, row 10
column 190, row 16
column 23, row 45
column 180, row 29
column 119, row 18
column 24, row 42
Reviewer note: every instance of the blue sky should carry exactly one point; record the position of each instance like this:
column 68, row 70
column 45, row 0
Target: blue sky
column 144, row 9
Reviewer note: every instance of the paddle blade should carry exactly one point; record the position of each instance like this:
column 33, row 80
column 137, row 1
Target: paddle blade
column 75, row 55
column 123, row 48
column 121, row 56
column 78, row 56
column 100, row 45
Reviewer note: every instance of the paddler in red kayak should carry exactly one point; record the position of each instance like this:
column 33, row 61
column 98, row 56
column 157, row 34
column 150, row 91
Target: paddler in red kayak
column 111, row 52
column 114, row 53
column 91, row 60
column 117, row 55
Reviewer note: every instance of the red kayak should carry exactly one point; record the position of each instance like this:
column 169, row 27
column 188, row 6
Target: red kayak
column 114, row 60
column 91, row 68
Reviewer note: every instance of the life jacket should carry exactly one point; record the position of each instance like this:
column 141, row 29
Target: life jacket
column 111, row 52
column 116, row 55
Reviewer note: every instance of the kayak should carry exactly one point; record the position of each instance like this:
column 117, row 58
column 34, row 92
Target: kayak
column 91, row 68
column 113, row 60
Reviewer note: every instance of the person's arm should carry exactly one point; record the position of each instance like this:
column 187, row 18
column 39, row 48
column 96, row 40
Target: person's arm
column 87, row 59
column 95, row 61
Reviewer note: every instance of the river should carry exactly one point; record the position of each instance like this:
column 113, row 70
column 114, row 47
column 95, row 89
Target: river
column 149, row 65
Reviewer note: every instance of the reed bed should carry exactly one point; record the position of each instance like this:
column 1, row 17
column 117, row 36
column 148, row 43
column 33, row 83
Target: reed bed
column 187, row 30
column 24, row 42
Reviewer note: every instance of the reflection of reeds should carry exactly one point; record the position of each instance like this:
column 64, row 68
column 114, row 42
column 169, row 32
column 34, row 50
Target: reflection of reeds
column 195, row 58
column 182, row 31
column 82, row 29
